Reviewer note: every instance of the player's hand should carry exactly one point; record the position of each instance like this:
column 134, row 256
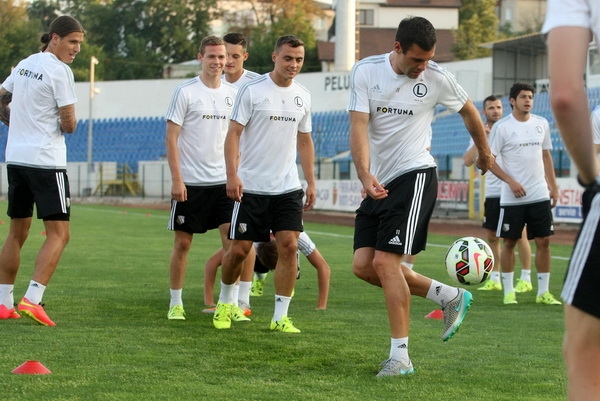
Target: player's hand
column 553, row 197
column 311, row 198
column 485, row 162
column 234, row 188
column 517, row 189
column 373, row 188
column 178, row 191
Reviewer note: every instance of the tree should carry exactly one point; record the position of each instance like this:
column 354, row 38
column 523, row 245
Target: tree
column 273, row 19
column 20, row 36
column 477, row 24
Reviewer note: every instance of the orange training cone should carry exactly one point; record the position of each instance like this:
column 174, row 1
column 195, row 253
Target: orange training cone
column 31, row 368
column 436, row 314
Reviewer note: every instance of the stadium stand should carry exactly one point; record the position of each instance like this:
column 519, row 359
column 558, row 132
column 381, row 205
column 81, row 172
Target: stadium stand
column 129, row 140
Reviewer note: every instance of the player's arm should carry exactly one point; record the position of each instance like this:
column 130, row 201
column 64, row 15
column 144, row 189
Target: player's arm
column 516, row 188
column 5, row 99
column 568, row 96
column 474, row 125
column 232, row 151
column 68, row 121
column 359, row 146
column 178, row 190
column 323, row 276
column 306, row 152
column 550, row 176
column 470, row 156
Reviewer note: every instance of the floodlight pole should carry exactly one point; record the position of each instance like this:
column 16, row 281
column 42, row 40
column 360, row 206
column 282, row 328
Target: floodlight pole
column 93, row 91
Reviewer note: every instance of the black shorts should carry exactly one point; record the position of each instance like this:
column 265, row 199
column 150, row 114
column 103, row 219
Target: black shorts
column 256, row 216
column 491, row 215
column 48, row 189
column 206, row 208
column 583, row 275
column 537, row 216
column 399, row 222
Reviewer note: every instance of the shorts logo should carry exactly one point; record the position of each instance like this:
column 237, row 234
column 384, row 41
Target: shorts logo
column 180, row 220
column 395, row 241
column 242, row 228
column 505, row 227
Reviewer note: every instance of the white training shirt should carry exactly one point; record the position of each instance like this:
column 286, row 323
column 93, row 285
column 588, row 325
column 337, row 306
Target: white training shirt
column 203, row 114
column 246, row 76
column 596, row 125
column 272, row 116
column 520, row 144
column 401, row 111
column 493, row 184
column 579, row 13
column 40, row 85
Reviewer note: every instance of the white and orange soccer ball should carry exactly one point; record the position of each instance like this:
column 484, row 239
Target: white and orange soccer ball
column 469, row 261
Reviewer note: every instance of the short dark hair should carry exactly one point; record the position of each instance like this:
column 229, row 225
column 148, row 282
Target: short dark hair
column 416, row 30
column 490, row 98
column 518, row 87
column 62, row 26
column 266, row 252
column 291, row 40
column 210, row 40
column 236, row 38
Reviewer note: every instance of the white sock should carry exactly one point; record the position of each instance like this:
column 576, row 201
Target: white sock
column 244, row 292
column 235, row 295
column 507, row 282
column 543, row 283
column 176, row 297
column 35, row 292
column 6, row 295
column 260, row 276
column 226, row 295
column 495, row 277
column 526, row 275
column 282, row 305
column 399, row 350
column 441, row 293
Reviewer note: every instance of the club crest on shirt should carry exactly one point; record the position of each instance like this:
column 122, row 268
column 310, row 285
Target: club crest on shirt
column 298, row 101
column 229, row 101
column 242, row 228
column 539, row 129
column 420, row 90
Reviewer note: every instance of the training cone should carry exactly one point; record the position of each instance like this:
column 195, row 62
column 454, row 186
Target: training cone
column 31, row 368
column 436, row 314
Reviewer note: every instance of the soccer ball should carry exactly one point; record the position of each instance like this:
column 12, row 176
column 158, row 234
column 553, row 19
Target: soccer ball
column 469, row 261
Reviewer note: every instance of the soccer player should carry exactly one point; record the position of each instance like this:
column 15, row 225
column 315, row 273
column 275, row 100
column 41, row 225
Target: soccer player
column 492, row 111
column 392, row 102
column 570, row 25
column 272, row 118
column 235, row 74
column 197, row 121
column 529, row 191
column 305, row 246
column 41, row 95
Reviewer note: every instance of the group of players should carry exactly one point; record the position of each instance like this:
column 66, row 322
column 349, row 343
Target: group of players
column 226, row 142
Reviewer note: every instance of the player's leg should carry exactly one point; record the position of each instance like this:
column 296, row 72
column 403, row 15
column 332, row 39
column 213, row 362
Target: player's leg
column 490, row 224
column 210, row 276
column 524, row 248
column 285, row 279
column 245, row 283
column 323, row 277
column 581, row 350
column 182, row 242
column 10, row 260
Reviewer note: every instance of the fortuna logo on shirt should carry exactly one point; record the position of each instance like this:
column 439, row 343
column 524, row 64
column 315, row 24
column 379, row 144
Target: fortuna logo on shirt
column 281, row 118
column 31, row 74
column 213, row 117
column 393, row 110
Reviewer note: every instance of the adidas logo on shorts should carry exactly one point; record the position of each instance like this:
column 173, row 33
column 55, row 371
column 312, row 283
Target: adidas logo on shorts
column 395, row 241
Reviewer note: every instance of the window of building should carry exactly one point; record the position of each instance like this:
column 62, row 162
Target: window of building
column 366, row 17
